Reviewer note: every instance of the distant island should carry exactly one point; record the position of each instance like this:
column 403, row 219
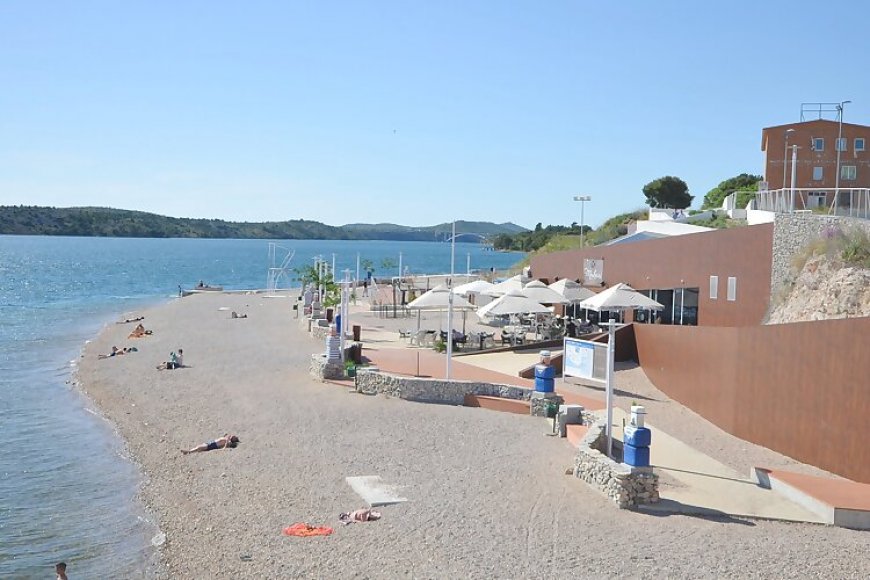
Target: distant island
column 109, row 222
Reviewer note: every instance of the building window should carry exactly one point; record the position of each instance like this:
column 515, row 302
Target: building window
column 732, row 288
column 859, row 144
column 841, row 144
column 714, row 287
column 818, row 144
column 818, row 173
column 849, row 172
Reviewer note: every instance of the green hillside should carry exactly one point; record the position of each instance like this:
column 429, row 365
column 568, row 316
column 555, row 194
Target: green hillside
column 109, row 222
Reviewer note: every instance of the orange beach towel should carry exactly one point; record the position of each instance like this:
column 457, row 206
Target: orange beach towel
column 304, row 530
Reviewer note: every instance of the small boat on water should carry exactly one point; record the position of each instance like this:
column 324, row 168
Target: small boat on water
column 201, row 287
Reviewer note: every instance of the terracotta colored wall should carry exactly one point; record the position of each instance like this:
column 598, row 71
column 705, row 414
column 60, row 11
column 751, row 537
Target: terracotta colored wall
column 774, row 144
column 685, row 262
column 770, row 385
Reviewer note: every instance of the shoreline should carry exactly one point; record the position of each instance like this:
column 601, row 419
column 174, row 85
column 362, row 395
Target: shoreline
column 486, row 494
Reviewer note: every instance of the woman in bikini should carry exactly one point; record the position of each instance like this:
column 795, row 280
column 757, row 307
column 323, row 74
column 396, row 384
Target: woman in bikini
column 224, row 442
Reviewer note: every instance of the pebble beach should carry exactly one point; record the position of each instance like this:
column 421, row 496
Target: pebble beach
column 487, row 492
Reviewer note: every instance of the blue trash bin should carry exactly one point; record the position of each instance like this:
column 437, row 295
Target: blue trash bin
column 545, row 378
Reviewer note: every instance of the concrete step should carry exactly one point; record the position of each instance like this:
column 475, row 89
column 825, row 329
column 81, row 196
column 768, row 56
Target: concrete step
column 497, row 404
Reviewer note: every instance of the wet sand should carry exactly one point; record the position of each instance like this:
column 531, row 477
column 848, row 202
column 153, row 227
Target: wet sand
column 487, row 493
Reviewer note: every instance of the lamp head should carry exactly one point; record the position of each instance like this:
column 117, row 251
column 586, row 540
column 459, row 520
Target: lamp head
column 582, row 198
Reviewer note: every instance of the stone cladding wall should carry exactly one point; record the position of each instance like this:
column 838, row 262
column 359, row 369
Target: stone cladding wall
column 792, row 232
column 626, row 486
column 320, row 369
column 429, row 390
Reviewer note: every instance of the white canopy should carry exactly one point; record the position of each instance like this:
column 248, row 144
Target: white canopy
column 571, row 290
column 514, row 302
column 540, row 292
column 473, row 287
column 618, row 298
column 437, row 299
column 514, row 283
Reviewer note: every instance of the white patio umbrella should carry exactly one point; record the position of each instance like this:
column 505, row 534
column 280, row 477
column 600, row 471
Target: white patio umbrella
column 571, row 290
column 438, row 299
column 514, row 283
column 540, row 292
column 619, row 298
column 514, row 302
column 616, row 299
column 474, row 287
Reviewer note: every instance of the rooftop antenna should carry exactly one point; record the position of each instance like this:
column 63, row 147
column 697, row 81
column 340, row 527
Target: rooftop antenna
column 819, row 111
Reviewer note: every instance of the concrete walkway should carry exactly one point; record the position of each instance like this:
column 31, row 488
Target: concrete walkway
column 690, row 481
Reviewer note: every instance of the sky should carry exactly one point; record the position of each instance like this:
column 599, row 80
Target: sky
column 415, row 113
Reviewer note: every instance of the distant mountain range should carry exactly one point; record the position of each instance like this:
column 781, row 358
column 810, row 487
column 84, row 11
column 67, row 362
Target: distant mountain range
column 108, row 222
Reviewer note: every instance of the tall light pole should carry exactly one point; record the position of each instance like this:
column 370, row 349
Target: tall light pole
column 794, row 149
column 788, row 133
column 839, row 148
column 582, row 199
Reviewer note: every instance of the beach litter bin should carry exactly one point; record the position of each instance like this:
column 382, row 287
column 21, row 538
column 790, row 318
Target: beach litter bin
column 636, row 439
column 545, row 378
column 356, row 332
column 329, row 313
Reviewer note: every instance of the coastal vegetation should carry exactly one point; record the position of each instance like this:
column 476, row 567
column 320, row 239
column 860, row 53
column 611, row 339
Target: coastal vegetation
column 745, row 184
column 668, row 191
column 109, row 222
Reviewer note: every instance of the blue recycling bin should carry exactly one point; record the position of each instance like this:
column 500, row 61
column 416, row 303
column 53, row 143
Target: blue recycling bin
column 637, row 436
column 635, row 456
column 338, row 324
column 545, row 378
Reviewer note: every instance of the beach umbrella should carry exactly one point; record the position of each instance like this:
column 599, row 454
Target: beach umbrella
column 540, row 292
column 438, row 299
column 474, row 287
column 619, row 298
column 514, row 283
column 572, row 291
column 514, row 302
column 616, row 299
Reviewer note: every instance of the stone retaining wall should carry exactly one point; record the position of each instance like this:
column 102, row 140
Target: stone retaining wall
column 428, row 390
column 792, row 232
column 319, row 368
column 626, row 486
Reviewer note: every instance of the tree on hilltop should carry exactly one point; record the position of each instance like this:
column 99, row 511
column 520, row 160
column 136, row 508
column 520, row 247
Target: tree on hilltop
column 744, row 184
column 670, row 192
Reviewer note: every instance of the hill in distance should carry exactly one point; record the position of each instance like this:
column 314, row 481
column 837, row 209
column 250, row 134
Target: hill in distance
column 109, row 222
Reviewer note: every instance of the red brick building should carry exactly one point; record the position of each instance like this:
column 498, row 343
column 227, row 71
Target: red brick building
column 816, row 158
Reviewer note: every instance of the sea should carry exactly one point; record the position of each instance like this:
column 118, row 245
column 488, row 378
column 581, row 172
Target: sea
column 67, row 486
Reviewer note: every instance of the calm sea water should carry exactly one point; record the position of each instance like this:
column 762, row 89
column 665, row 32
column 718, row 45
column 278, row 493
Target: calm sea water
column 67, row 491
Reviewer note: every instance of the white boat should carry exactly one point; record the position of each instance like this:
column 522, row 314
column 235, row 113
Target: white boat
column 199, row 288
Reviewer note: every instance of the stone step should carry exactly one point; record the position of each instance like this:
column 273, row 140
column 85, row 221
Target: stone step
column 517, row 406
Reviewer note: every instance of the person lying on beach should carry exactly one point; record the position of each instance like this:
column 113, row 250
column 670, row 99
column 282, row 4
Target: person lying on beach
column 227, row 441
column 176, row 361
column 131, row 320
column 236, row 315
column 139, row 331
column 119, row 351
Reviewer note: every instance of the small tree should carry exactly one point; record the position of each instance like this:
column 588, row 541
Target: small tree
column 744, row 184
column 668, row 191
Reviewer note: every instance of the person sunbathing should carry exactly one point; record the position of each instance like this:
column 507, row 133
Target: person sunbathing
column 131, row 320
column 237, row 315
column 115, row 352
column 227, row 441
column 139, row 331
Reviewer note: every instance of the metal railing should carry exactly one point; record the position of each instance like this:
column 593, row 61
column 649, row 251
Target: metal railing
column 849, row 202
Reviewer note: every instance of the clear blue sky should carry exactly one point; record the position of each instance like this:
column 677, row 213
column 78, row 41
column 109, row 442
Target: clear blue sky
column 406, row 112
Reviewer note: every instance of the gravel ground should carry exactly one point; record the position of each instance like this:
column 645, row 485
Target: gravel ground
column 487, row 493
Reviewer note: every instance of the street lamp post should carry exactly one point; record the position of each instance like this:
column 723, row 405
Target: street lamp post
column 788, row 133
column 794, row 149
column 839, row 149
column 582, row 199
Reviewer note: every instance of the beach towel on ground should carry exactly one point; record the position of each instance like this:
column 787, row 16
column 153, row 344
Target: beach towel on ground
column 304, row 530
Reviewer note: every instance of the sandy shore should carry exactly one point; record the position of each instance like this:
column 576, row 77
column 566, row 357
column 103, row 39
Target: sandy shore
column 487, row 493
